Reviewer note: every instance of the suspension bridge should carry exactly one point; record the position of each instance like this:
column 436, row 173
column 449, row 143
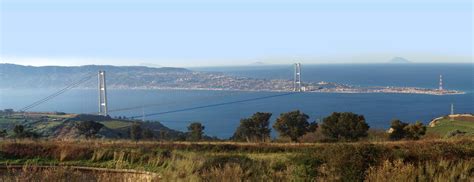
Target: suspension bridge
column 105, row 111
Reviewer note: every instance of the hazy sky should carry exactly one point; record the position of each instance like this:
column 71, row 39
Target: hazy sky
column 235, row 32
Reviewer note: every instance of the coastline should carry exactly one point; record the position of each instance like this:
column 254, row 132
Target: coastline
column 362, row 90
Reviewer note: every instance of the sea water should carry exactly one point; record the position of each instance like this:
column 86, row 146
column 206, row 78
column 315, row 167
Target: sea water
column 221, row 111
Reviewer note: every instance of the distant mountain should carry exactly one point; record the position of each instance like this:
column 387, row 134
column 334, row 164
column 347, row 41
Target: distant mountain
column 18, row 76
column 130, row 77
column 258, row 63
column 150, row 65
column 399, row 60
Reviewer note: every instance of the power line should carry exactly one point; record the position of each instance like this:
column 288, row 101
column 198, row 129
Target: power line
column 215, row 105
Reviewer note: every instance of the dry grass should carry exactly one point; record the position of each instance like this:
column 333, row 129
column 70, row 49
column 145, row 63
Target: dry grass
column 204, row 161
column 64, row 173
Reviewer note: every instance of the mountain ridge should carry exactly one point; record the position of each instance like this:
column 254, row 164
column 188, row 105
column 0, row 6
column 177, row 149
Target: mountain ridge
column 14, row 76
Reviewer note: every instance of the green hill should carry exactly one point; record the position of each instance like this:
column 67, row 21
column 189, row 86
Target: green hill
column 64, row 126
column 461, row 124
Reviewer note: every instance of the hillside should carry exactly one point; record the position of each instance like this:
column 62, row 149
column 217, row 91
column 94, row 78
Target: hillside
column 459, row 125
column 65, row 126
column 130, row 77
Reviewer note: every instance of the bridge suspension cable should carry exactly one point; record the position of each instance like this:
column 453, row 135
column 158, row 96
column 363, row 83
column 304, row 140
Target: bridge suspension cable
column 221, row 95
column 57, row 93
column 214, row 105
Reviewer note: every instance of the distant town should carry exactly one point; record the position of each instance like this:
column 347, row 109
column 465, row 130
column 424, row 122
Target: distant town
column 139, row 77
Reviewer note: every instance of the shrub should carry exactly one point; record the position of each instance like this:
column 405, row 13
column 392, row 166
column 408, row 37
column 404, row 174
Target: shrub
column 455, row 133
column 427, row 171
column 397, row 130
column 350, row 162
column 136, row 132
column 243, row 162
column 415, row 131
column 344, row 126
column 89, row 128
column 400, row 130
column 307, row 166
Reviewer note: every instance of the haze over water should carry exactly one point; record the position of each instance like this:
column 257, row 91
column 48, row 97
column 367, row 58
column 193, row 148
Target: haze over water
column 221, row 121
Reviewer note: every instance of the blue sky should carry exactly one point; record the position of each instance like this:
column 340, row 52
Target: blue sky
column 236, row 32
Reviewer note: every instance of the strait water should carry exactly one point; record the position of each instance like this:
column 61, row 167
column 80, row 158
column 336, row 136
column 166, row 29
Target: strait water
column 220, row 111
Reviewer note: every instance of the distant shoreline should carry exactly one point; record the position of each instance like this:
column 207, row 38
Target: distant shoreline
column 361, row 90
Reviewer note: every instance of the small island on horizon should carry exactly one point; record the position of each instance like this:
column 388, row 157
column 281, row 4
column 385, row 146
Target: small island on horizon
column 399, row 60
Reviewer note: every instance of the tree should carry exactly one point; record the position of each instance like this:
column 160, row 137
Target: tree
column 195, row 130
column 148, row 134
column 397, row 131
column 415, row 131
column 313, row 126
column 292, row 125
column 255, row 128
column 344, row 126
column 136, row 132
column 3, row 133
column 400, row 130
column 163, row 134
column 89, row 128
column 19, row 130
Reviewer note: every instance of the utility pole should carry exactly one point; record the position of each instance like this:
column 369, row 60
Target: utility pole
column 297, row 78
column 102, row 94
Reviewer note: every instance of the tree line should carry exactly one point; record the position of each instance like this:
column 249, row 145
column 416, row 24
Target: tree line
column 339, row 126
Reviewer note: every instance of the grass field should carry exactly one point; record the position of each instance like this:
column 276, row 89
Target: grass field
column 374, row 158
column 426, row 160
column 445, row 126
column 116, row 124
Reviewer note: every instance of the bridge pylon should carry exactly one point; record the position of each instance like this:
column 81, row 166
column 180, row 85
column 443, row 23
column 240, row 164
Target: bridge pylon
column 102, row 94
column 297, row 78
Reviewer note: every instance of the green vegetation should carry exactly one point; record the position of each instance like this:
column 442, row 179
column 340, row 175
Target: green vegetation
column 293, row 125
column 401, row 130
column 344, row 126
column 255, row 128
column 136, row 132
column 445, row 126
column 116, row 124
column 3, row 133
column 196, row 131
column 20, row 132
column 341, row 148
column 89, row 128
column 73, row 126
column 425, row 160
column 148, row 134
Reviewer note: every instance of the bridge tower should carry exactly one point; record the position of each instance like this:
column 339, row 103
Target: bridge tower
column 102, row 94
column 440, row 82
column 297, row 78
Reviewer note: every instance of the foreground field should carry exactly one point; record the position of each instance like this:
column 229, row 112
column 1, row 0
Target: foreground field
column 427, row 160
